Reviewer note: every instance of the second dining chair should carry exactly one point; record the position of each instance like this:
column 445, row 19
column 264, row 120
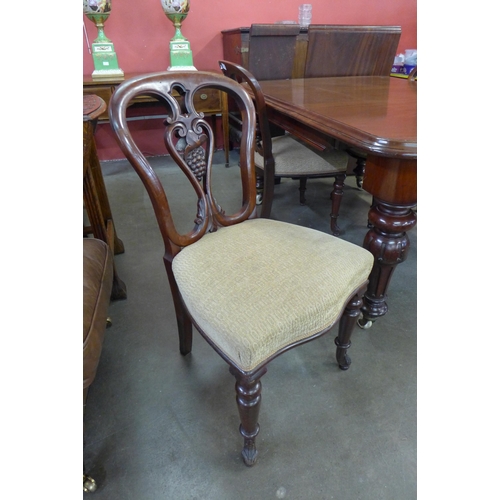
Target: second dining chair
column 253, row 287
column 286, row 156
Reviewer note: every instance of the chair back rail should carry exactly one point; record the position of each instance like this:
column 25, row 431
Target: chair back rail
column 189, row 140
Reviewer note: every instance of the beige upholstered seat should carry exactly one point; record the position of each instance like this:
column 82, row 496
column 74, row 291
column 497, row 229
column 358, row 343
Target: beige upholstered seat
column 253, row 288
column 261, row 310
column 292, row 156
column 287, row 156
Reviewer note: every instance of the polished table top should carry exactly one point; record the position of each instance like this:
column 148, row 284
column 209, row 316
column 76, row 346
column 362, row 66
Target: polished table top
column 375, row 113
column 379, row 116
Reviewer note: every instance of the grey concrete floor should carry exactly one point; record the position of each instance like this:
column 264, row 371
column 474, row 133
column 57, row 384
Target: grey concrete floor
column 162, row 426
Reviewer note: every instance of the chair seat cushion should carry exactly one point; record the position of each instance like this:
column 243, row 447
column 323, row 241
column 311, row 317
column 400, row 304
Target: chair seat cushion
column 97, row 284
column 267, row 285
column 292, row 157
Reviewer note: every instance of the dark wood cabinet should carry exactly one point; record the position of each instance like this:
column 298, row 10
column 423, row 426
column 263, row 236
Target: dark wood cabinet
column 282, row 51
column 268, row 51
column 287, row 51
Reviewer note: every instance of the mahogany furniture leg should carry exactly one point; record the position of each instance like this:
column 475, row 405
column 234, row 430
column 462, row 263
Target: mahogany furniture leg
column 302, row 190
column 248, row 397
column 393, row 184
column 102, row 229
column 94, row 191
column 346, row 327
column 359, row 169
column 225, row 126
column 184, row 323
column 336, row 197
column 102, row 195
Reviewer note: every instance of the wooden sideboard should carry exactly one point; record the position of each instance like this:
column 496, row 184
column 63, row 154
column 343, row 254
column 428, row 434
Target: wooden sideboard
column 211, row 102
column 287, row 51
column 284, row 51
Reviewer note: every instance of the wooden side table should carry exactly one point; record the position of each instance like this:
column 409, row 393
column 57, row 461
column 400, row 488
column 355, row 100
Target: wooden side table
column 211, row 102
column 95, row 196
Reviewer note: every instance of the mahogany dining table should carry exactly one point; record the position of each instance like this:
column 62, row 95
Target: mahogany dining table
column 377, row 115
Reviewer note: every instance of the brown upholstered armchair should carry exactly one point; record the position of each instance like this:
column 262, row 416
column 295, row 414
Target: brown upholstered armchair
column 97, row 285
column 253, row 287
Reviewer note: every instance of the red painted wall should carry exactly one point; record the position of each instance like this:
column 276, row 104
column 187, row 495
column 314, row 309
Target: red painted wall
column 141, row 32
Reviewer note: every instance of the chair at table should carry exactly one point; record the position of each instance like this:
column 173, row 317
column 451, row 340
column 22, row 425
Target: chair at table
column 253, row 287
column 285, row 156
column 345, row 50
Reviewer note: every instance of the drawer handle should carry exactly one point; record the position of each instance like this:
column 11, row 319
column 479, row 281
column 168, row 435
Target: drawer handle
column 203, row 96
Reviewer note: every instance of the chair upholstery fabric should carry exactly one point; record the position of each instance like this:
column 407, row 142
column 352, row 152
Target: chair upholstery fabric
column 97, row 284
column 288, row 156
column 293, row 157
column 261, row 310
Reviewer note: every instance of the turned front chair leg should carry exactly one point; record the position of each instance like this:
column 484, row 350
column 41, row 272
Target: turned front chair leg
column 346, row 326
column 336, row 197
column 248, row 398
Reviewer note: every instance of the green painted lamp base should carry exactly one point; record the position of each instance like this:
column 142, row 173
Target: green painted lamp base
column 181, row 57
column 105, row 62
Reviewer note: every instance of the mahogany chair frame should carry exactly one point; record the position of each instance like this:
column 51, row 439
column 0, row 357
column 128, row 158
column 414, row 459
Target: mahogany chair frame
column 186, row 131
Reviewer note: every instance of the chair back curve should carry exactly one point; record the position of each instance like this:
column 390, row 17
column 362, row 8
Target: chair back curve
column 263, row 144
column 189, row 140
column 241, row 75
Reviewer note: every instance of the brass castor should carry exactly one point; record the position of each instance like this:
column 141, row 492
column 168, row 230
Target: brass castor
column 108, row 322
column 89, row 485
column 365, row 323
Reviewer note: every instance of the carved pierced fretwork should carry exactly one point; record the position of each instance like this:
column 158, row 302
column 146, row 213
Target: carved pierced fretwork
column 193, row 153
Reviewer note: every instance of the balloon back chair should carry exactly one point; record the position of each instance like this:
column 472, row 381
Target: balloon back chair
column 253, row 287
column 286, row 156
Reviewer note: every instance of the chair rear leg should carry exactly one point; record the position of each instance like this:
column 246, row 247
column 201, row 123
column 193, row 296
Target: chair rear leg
column 336, row 197
column 248, row 398
column 302, row 190
column 259, row 184
column 184, row 324
column 346, row 326
column 359, row 170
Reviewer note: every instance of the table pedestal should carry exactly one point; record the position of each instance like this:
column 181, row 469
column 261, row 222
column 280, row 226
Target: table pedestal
column 393, row 184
